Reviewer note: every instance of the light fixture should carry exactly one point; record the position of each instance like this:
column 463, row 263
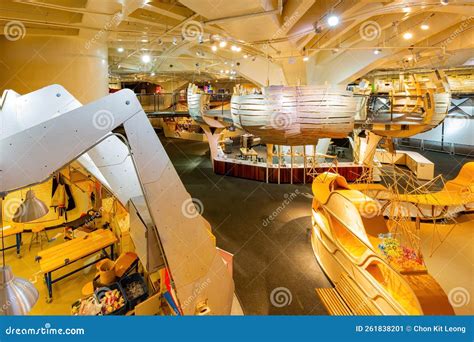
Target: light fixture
column 175, row 41
column 152, row 74
column 222, row 44
column 444, row 2
column 377, row 51
column 424, row 27
column 305, row 58
column 239, row 49
column 227, row 71
column 146, row 58
column 406, row 9
column 333, row 20
column 222, row 71
column 120, row 49
column 17, row 295
column 246, row 56
column 31, row 209
column 214, row 48
column 144, row 40
column 407, row 35
column 233, row 48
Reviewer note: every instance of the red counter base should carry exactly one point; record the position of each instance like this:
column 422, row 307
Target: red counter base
column 259, row 173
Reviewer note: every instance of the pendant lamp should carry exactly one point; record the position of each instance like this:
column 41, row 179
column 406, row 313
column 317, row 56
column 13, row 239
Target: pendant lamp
column 17, row 295
column 31, row 209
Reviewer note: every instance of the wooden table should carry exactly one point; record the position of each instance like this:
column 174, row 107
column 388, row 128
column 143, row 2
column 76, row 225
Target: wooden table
column 9, row 231
column 248, row 152
column 64, row 254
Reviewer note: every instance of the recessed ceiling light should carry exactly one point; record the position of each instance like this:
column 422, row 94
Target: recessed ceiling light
column 407, row 35
column 214, row 48
column 223, row 44
column 305, row 58
column 120, row 49
column 333, row 20
column 146, row 58
column 424, row 27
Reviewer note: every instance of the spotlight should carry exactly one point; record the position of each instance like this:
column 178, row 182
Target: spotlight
column 377, row 51
column 233, row 48
column 146, row 59
column 160, row 41
column 246, row 56
column 444, row 2
column 424, row 27
column 223, row 44
column 144, row 40
column 407, row 35
column 214, row 48
column 239, row 49
column 305, row 58
column 175, row 41
column 227, row 71
column 152, row 74
column 333, row 20
column 120, row 49
column 200, row 39
column 406, row 9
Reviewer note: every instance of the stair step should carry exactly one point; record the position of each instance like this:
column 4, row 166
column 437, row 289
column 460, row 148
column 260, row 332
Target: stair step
column 333, row 302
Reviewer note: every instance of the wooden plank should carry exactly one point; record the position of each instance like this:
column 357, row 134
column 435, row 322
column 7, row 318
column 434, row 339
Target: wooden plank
column 73, row 250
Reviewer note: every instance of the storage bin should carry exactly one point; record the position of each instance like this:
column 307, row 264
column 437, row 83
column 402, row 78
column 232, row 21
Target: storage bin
column 100, row 293
column 134, row 299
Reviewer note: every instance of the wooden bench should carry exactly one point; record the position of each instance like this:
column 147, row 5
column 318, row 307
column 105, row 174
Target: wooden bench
column 64, row 254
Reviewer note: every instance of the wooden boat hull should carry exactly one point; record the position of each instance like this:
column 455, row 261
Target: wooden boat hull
column 295, row 115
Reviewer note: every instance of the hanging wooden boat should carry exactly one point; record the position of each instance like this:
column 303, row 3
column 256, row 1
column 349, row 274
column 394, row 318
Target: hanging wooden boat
column 351, row 248
column 204, row 111
column 420, row 106
column 297, row 115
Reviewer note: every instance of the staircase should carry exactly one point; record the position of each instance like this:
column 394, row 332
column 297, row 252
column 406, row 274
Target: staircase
column 345, row 299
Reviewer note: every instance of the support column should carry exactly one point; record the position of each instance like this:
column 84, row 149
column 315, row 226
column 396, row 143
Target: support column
column 76, row 63
column 212, row 134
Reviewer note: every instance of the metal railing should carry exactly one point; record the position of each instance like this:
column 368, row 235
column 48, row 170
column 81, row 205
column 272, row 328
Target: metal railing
column 176, row 103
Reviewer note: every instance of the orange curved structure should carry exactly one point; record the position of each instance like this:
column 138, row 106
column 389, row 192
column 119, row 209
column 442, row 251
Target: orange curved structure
column 356, row 252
